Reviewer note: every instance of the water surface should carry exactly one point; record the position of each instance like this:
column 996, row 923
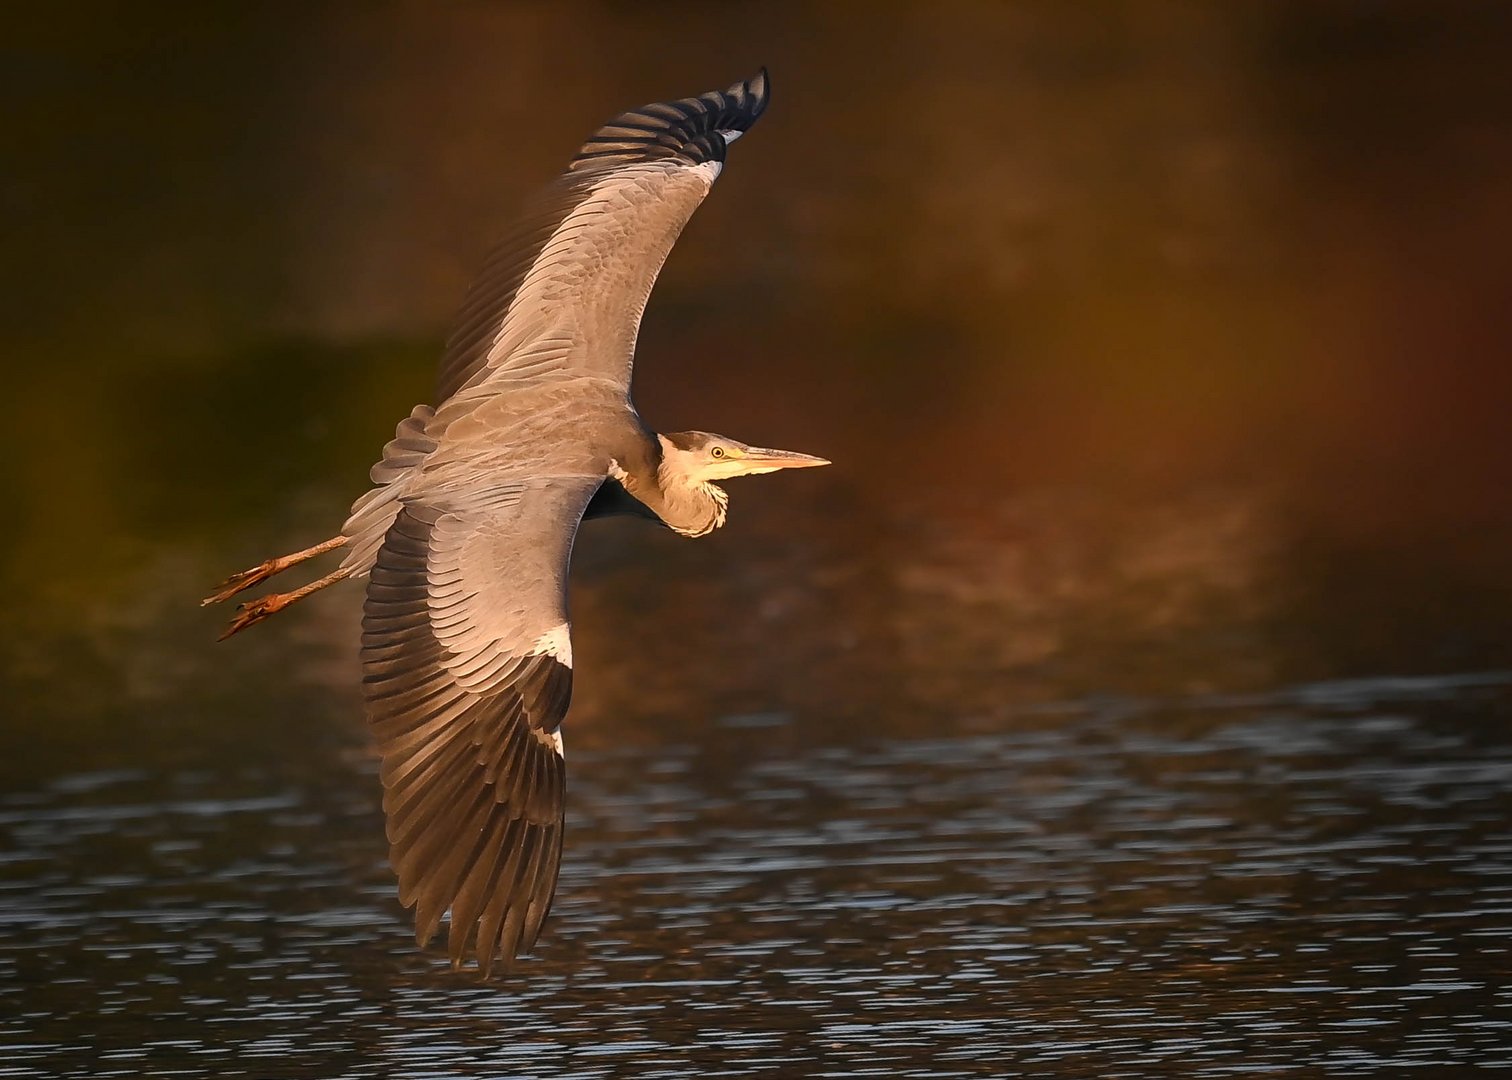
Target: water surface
column 1317, row 878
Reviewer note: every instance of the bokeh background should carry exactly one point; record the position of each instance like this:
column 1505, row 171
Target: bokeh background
column 1161, row 348
column 1125, row 323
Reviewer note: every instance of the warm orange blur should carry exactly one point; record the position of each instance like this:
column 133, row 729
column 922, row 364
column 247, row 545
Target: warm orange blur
column 1117, row 324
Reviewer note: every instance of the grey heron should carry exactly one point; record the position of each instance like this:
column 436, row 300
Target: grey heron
column 466, row 535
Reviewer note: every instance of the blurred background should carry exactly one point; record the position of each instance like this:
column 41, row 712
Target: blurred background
column 1134, row 329
column 1161, row 348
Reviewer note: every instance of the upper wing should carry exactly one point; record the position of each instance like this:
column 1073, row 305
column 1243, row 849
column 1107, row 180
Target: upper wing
column 566, row 288
column 467, row 673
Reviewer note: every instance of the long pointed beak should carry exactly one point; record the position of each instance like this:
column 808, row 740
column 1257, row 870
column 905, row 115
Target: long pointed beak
column 759, row 458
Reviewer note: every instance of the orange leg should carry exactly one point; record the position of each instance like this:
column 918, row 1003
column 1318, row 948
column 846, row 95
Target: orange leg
column 255, row 611
column 266, row 569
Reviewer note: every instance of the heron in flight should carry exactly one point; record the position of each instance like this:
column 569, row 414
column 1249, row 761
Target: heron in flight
column 466, row 535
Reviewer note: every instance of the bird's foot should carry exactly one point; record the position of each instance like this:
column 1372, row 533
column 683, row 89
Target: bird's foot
column 255, row 611
column 245, row 580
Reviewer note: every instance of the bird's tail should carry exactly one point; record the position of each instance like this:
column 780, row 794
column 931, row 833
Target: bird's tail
column 261, row 608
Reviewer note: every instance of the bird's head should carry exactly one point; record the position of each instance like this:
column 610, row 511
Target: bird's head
column 699, row 457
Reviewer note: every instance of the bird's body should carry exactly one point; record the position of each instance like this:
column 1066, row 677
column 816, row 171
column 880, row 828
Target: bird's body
column 467, row 534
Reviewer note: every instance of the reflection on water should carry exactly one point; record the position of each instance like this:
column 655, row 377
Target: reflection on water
column 1315, row 878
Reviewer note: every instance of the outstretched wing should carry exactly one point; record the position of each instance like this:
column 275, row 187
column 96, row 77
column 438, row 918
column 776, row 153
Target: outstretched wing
column 467, row 673
column 565, row 290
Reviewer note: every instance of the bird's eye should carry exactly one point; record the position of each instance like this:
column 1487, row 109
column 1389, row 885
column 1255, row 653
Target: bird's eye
column 717, row 452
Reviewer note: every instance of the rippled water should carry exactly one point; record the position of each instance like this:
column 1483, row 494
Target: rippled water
column 1319, row 878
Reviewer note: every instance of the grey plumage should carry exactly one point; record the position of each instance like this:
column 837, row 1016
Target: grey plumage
column 634, row 184
column 467, row 534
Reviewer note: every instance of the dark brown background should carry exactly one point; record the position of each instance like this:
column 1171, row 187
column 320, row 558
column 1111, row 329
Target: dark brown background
column 1154, row 299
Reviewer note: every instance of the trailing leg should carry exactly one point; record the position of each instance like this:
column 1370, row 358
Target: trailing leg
column 266, row 569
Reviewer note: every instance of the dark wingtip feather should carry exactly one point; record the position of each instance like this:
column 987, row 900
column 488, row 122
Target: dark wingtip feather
column 683, row 131
column 754, row 92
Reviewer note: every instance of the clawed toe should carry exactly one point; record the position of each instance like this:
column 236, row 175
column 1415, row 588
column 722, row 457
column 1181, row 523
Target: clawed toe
column 239, row 582
column 254, row 611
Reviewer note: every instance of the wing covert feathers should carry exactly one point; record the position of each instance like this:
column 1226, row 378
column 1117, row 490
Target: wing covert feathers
column 690, row 133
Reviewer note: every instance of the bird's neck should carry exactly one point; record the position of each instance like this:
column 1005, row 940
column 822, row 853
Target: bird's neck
column 691, row 509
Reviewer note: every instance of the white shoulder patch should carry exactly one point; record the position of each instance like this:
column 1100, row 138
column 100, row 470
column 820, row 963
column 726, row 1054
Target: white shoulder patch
column 555, row 643
column 731, row 136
